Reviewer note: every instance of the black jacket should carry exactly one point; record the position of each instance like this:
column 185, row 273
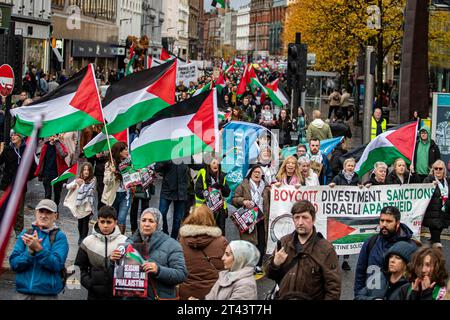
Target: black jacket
column 335, row 162
column 10, row 158
column 433, row 154
column 339, row 128
column 392, row 178
column 341, row 181
column 175, row 180
column 374, row 182
column 434, row 216
column 285, row 128
column 220, row 184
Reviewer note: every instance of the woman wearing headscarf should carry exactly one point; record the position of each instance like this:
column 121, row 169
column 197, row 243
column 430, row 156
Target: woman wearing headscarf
column 164, row 263
column 203, row 246
column 251, row 193
column 236, row 282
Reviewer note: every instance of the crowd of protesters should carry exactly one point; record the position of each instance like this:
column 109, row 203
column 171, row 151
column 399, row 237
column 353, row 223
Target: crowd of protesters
column 195, row 259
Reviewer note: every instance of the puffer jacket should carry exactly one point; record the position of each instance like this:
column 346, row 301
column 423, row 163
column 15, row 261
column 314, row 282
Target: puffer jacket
column 240, row 286
column 203, row 249
column 242, row 193
column 40, row 274
column 434, row 216
column 376, row 255
column 167, row 253
column 93, row 259
column 314, row 274
column 392, row 178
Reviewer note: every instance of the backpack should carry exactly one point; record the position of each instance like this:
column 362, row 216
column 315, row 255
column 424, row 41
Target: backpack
column 63, row 272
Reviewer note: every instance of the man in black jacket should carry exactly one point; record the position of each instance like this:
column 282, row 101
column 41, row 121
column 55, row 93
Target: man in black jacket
column 174, row 189
column 339, row 128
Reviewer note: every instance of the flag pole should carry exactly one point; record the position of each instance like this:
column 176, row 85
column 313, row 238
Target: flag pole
column 414, row 150
column 103, row 116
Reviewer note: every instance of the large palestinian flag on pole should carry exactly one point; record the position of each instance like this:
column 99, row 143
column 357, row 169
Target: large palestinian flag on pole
column 249, row 78
column 100, row 142
column 389, row 146
column 139, row 96
column 276, row 94
column 72, row 106
column 178, row 131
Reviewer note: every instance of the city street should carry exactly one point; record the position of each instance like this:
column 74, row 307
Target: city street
column 74, row 291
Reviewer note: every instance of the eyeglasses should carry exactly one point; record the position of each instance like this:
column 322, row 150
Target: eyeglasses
column 438, row 168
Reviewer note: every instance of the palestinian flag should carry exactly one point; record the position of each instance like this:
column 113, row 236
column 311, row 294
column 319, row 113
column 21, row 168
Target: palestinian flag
column 164, row 55
column 181, row 130
column 229, row 68
column 130, row 69
column 220, row 2
column 72, row 106
column 238, row 62
column 343, row 230
column 250, row 78
column 388, row 146
column 220, row 83
column 202, row 89
column 133, row 254
column 100, row 142
column 223, row 116
column 139, row 96
column 69, row 173
column 277, row 95
column 149, row 61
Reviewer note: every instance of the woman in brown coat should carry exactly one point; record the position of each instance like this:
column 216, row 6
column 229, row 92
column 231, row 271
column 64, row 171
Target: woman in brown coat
column 250, row 193
column 203, row 247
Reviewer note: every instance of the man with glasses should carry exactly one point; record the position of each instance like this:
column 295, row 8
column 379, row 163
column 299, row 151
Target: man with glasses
column 427, row 152
column 39, row 256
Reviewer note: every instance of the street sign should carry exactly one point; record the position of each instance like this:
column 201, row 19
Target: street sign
column 6, row 80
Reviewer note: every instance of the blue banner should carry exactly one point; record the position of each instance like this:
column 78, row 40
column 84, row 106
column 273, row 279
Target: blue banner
column 326, row 147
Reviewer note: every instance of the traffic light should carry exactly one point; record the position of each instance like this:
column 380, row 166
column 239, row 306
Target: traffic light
column 303, row 66
column 293, row 65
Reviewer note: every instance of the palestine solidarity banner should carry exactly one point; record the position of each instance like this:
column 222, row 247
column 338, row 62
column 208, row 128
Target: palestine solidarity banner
column 347, row 216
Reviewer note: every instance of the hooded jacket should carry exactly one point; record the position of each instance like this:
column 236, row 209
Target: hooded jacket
column 93, row 259
column 387, row 290
column 376, row 255
column 433, row 152
column 315, row 273
column 318, row 129
column 203, row 248
column 40, row 273
column 167, row 253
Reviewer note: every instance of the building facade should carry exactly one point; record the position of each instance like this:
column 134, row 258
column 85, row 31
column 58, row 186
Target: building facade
column 88, row 33
column 170, row 24
column 277, row 20
column 259, row 27
column 129, row 19
column 212, row 34
column 32, row 21
column 193, row 34
column 243, row 30
column 153, row 18
column 182, row 45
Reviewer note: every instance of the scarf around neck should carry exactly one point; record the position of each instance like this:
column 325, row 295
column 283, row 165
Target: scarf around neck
column 348, row 176
column 257, row 193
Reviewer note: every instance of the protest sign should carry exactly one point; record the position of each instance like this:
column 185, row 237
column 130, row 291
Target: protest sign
column 214, row 199
column 347, row 216
column 129, row 278
column 187, row 72
column 246, row 218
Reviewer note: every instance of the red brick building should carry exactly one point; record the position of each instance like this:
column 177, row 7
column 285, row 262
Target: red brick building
column 259, row 25
column 276, row 26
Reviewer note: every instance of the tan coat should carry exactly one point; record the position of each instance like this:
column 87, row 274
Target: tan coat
column 203, row 248
column 243, row 193
column 241, row 286
column 111, row 186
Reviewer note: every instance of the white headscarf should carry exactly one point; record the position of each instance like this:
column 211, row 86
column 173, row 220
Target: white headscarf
column 245, row 255
column 157, row 215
